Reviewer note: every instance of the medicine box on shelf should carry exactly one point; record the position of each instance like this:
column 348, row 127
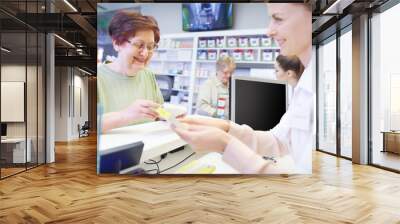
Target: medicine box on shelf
column 202, row 43
column 237, row 55
column 267, row 55
column 266, row 42
column 249, row 55
column 211, row 43
column 212, row 55
column 220, row 42
column 254, row 41
column 232, row 42
column 243, row 42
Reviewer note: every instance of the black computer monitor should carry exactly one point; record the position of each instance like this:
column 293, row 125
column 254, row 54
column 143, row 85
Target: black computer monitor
column 116, row 159
column 3, row 129
column 259, row 103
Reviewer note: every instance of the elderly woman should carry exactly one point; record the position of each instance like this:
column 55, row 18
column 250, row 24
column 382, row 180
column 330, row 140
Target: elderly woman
column 216, row 88
column 127, row 90
column 250, row 151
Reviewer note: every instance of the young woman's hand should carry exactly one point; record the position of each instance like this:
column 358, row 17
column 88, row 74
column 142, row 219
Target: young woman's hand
column 141, row 109
column 203, row 138
column 206, row 121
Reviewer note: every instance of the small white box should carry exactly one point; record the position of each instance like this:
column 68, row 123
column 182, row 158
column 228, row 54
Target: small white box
column 267, row 55
column 202, row 55
column 212, row 55
column 266, row 42
column 202, row 43
column 232, row 42
column 254, row 42
column 237, row 55
column 211, row 43
column 223, row 53
column 249, row 55
column 220, row 42
column 243, row 42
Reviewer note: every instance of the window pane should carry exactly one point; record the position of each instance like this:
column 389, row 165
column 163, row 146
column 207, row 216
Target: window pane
column 385, row 89
column 346, row 94
column 327, row 97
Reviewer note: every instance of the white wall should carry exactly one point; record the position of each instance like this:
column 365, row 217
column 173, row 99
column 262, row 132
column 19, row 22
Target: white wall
column 67, row 115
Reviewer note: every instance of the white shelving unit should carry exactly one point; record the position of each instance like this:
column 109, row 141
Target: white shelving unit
column 189, row 58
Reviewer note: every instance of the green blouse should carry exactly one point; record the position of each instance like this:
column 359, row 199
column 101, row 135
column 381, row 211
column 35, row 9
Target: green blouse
column 116, row 91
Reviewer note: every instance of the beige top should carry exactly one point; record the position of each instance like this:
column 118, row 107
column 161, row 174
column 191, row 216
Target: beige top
column 209, row 93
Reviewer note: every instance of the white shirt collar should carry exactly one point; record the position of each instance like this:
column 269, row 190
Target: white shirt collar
column 305, row 81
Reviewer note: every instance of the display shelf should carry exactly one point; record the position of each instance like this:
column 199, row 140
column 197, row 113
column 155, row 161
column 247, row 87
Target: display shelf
column 206, row 61
column 171, row 60
column 239, row 62
column 175, row 75
column 239, row 48
column 175, row 47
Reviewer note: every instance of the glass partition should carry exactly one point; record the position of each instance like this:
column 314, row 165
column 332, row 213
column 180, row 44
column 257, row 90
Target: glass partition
column 346, row 93
column 22, row 89
column 327, row 96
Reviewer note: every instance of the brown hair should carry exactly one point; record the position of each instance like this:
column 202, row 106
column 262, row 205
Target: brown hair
column 292, row 63
column 308, row 4
column 125, row 24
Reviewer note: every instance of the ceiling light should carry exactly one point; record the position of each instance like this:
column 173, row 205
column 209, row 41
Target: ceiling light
column 65, row 41
column 5, row 49
column 337, row 7
column 86, row 72
column 70, row 5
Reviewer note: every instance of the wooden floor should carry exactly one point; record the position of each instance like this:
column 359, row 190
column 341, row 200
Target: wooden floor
column 10, row 171
column 69, row 191
column 387, row 159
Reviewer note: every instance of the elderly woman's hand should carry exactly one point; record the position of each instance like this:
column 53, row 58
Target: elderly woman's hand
column 203, row 138
column 141, row 109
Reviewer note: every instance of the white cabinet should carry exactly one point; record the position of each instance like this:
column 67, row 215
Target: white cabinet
column 17, row 146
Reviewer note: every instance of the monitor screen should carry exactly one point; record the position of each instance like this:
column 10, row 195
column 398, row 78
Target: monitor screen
column 116, row 159
column 3, row 129
column 259, row 104
column 206, row 16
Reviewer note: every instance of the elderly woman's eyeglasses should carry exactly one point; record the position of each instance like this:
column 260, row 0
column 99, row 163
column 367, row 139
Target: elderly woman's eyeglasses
column 140, row 45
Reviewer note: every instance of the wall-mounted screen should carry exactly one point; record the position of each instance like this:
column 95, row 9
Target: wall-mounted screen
column 206, row 16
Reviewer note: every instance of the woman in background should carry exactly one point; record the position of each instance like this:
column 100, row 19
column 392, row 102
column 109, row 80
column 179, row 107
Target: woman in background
column 127, row 90
column 216, row 89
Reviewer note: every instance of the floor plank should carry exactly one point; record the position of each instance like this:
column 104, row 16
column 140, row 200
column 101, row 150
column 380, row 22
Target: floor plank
column 69, row 191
